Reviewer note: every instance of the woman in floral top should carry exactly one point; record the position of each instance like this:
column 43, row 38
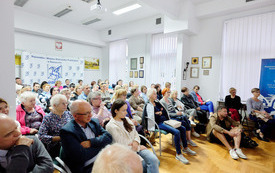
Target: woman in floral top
column 52, row 124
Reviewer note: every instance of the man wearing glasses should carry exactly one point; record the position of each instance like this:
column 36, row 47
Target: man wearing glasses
column 82, row 138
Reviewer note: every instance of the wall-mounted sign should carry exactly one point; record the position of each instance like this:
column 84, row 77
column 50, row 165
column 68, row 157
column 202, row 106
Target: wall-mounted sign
column 58, row 45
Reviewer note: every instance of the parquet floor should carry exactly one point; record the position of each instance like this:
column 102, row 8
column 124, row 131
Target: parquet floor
column 215, row 158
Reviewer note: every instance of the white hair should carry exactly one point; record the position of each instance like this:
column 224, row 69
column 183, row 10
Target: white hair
column 27, row 95
column 75, row 106
column 64, row 90
column 150, row 91
column 117, row 158
column 55, row 100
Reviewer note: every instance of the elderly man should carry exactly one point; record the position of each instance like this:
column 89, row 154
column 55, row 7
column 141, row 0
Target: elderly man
column 219, row 129
column 82, row 138
column 117, row 158
column 85, row 93
column 19, row 153
column 99, row 109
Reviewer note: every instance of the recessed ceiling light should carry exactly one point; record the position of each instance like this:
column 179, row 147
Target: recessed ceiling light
column 127, row 9
column 63, row 11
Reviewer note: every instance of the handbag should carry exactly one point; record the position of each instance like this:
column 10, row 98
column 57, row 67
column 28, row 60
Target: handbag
column 173, row 123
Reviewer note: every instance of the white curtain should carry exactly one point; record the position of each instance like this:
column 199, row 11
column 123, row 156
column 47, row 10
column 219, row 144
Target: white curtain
column 117, row 61
column 163, row 59
column 246, row 41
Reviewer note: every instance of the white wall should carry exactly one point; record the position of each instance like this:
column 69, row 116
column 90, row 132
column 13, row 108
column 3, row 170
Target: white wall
column 43, row 45
column 208, row 42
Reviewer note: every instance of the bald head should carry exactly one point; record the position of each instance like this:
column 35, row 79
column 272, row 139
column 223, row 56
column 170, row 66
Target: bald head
column 9, row 133
column 76, row 105
column 117, row 158
column 82, row 112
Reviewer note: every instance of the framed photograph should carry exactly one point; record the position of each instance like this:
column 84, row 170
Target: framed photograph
column 194, row 72
column 141, row 66
column 133, row 63
column 206, row 72
column 141, row 60
column 141, row 73
column 131, row 74
column 195, row 60
column 92, row 64
column 207, row 62
column 136, row 74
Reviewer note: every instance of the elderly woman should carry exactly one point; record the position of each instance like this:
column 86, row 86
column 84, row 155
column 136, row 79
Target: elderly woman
column 77, row 92
column 67, row 93
column 264, row 122
column 99, row 109
column 157, row 112
column 204, row 105
column 136, row 102
column 143, row 93
column 28, row 114
column 53, row 122
column 105, row 95
column 233, row 104
column 123, row 132
column 177, row 115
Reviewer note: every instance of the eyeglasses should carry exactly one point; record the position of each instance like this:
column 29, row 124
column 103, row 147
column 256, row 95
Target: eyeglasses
column 97, row 98
column 86, row 114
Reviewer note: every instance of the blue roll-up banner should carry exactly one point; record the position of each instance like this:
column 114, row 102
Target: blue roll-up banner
column 267, row 84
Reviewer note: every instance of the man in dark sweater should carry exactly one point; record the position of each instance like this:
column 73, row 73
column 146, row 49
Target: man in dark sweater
column 19, row 153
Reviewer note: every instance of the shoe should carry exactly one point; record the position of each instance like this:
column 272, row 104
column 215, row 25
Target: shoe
column 182, row 159
column 193, row 144
column 193, row 124
column 196, row 134
column 233, row 154
column 240, row 153
column 262, row 138
column 189, row 151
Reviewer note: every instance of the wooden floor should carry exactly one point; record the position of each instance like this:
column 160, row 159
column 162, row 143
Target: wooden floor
column 215, row 158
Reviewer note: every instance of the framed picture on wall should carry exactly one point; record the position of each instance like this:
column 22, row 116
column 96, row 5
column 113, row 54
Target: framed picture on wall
column 194, row 72
column 195, row 60
column 131, row 74
column 133, row 64
column 206, row 72
column 207, row 62
column 141, row 73
column 141, row 60
column 141, row 66
column 136, row 74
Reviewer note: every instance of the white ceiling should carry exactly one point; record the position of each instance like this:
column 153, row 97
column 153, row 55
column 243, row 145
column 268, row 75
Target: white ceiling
column 81, row 11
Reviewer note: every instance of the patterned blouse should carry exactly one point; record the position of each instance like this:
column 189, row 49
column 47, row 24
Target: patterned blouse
column 51, row 126
column 33, row 119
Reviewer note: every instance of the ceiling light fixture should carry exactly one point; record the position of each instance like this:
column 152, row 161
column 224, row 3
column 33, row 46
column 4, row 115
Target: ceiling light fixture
column 20, row 3
column 90, row 21
column 98, row 7
column 127, row 9
column 64, row 11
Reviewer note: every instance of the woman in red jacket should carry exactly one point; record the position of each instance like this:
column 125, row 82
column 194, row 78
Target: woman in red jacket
column 28, row 114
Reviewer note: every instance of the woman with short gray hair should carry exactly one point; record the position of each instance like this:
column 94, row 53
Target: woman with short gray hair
column 53, row 122
column 28, row 114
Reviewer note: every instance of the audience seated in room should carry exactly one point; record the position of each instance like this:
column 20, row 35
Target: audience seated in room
column 85, row 92
column 82, row 138
column 105, row 94
column 158, row 88
column 67, row 83
column 155, row 110
column 28, row 114
column 143, row 93
column 123, row 132
column 5, row 109
column 233, row 104
column 177, row 115
column 67, row 93
column 20, row 153
column 58, row 84
column 219, row 129
column 95, row 88
column 204, row 105
column 80, row 82
column 72, row 88
column 49, row 131
column 136, row 102
column 99, row 109
column 35, row 87
column 264, row 122
column 117, row 158
column 77, row 92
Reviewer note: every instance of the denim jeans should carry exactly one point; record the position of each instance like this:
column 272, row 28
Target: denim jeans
column 208, row 107
column 184, row 122
column 179, row 133
column 265, row 127
column 150, row 161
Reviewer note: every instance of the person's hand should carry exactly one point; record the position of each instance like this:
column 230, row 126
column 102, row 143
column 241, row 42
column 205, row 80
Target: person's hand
column 142, row 147
column 56, row 139
column 198, row 108
column 134, row 122
column 23, row 140
column 86, row 144
column 134, row 145
column 33, row 131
